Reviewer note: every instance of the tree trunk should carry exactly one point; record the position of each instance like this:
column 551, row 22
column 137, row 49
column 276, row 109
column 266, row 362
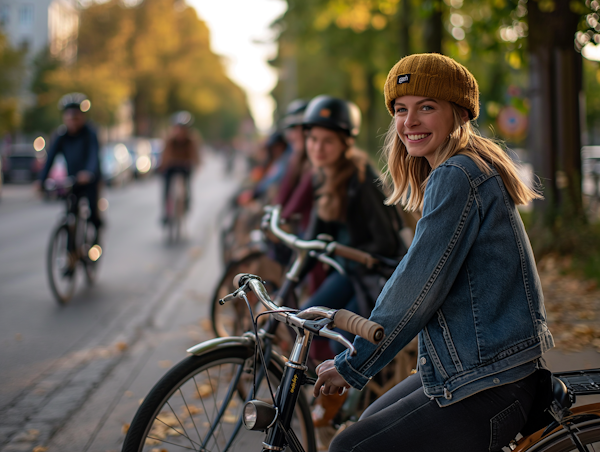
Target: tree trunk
column 555, row 137
column 432, row 34
column 404, row 32
column 374, row 98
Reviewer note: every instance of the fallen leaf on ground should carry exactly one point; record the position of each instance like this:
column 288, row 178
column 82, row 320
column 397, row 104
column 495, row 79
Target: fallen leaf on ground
column 121, row 346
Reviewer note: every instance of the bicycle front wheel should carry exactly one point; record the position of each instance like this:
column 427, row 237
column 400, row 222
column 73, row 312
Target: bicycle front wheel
column 588, row 433
column 198, row 404
column 60, row 265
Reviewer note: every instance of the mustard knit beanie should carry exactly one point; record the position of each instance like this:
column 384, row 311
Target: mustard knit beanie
column 432, row 75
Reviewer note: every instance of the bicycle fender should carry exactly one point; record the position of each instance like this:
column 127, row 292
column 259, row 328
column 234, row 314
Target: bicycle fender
column 220, row 343
column 247, row 340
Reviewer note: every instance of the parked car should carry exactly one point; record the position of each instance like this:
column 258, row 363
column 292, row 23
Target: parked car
column 141, row 150
column 21, row 162
column 116, row 163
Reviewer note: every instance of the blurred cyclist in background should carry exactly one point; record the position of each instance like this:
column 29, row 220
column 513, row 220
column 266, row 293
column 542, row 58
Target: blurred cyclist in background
column 268, row 173
column 78, row 143
column 181, row 155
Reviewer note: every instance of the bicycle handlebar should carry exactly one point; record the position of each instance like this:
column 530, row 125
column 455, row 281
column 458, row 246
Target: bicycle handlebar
column 330, row 247
column 345, row 320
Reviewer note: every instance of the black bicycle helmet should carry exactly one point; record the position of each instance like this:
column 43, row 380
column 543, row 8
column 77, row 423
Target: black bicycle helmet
column 182, row 118
column 275, row 138
column 333, row 113
column 294, row 113
column 78, row 101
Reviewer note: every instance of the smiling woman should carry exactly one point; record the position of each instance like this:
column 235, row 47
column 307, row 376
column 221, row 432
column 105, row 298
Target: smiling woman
column 467, row 287
column 423, row 124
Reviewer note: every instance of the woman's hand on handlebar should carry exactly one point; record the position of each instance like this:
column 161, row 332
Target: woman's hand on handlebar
column 329, row 380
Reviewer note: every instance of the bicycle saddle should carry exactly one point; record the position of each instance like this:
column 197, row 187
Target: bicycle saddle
column 560, row 393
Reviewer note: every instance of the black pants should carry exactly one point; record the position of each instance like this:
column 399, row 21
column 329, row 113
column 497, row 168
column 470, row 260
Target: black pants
column 405, row 419
column 91, row 192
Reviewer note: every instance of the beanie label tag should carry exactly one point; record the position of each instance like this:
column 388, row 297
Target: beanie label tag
column 404, row 78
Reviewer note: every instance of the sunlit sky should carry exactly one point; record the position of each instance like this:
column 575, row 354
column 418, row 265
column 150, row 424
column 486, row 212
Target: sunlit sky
column 239, row 31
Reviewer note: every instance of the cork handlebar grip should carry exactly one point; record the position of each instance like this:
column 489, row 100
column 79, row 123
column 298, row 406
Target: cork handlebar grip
column 359, row 326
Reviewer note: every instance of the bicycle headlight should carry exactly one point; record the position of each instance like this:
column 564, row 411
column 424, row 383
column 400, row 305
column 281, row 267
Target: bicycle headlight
column 258, row 415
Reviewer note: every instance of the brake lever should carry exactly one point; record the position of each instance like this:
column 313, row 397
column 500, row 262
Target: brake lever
column 329, row 261
column 326, row 332
column 235, row 294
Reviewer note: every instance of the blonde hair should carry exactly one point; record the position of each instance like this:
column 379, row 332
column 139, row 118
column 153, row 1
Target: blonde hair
column 409, row 175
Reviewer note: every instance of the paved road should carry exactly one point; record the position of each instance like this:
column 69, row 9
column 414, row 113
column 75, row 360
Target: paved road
column 54, row 358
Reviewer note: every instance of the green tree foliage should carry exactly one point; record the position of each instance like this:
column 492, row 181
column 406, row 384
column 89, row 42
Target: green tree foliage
column 341, row 48
column 157, row 55
column 43, row 117
column 522, row 52
column 346, row 47
column 10, row 75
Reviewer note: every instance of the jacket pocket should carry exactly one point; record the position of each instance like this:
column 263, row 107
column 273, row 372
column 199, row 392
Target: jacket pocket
column 505, row 426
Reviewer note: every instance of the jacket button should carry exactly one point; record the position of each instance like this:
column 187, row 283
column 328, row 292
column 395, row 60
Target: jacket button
column 423, row 360
column 496, row 380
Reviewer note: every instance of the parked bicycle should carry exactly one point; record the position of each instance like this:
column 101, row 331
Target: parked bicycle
column 202, row 403
column 232, row 319
column 73, row 245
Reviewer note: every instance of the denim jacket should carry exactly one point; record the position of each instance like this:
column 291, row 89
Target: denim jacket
column 468, row 287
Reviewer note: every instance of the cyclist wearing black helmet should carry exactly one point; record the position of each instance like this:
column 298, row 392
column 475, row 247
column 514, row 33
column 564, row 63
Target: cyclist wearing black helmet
column 181, row 155
column 78, row 143
column 349, row 205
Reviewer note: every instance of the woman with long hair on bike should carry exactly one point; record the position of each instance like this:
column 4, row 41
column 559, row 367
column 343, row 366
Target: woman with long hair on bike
column 468, row 286
column 349, row 204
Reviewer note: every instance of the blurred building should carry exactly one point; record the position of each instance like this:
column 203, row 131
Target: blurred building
column 33, row 25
